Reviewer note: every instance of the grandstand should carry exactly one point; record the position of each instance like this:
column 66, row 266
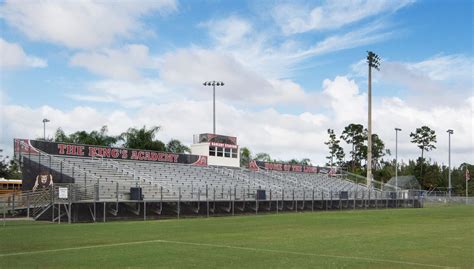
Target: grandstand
column 72, row 183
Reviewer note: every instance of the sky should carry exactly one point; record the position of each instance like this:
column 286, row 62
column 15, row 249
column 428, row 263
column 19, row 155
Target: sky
column 292, row 70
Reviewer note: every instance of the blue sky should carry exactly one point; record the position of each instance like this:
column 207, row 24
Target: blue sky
column 292, row 70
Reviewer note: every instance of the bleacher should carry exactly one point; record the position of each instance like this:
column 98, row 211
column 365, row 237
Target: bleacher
column 170, row 181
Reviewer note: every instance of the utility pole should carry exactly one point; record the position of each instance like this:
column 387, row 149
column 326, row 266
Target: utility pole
column 396, row 157
column 373, row 60
column 44, row 128
column 450, row 132
column 213, row 84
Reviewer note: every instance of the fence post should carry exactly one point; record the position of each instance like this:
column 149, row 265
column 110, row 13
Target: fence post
column 69, row 202
column 304, row 199
column 323, row 201
column 13, row 203
column 61, row 170
column 28, row 205
column 270, row 207
column 256, row 203
column 312, row 202
column 233, row 201
column 4, row 214
column 207, row 200
column 117, row 192
column 52, row 204
column 50, row 162
column 179, row 200
column 295, row 204
column 277, row 204
column 355, row 199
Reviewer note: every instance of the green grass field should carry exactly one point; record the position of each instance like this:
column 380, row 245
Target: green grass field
column 400, row 238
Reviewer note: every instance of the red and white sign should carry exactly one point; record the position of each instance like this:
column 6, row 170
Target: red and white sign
column 223, row 145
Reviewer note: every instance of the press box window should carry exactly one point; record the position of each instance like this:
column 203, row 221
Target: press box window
column 227, row 152
column 220, row 152
column 212, row 151
column 234, row 153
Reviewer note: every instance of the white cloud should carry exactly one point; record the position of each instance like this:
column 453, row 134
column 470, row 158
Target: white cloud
column 446, row 67
column 123, row 63
column 441, row 79
column 367, row 35
column 191, row 67
column 12, row 56
column 266, row 53
column 294, row 18
column 346, row 102
column 284, row 136
column 129, row 94
column 80, row 24
column 252, row 48
column 182, row 74
column 230, row 31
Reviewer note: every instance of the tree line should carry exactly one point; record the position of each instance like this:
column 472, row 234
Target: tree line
column 135, row 138
column 430, row 175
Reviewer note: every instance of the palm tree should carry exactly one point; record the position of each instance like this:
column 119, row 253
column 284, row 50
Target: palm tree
column 100, row 138
column 176, row 146
column 245, row 157
column 262, row 156
column 142, row 138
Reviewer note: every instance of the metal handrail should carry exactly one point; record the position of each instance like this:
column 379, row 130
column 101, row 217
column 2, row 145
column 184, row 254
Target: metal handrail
column 136, row 175
column 88, row 175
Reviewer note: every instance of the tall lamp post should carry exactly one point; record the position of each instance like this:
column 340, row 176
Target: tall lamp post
column 396, row 157
column 213, row 84
column 450, row 132
column 374, row 62
column 44, row 128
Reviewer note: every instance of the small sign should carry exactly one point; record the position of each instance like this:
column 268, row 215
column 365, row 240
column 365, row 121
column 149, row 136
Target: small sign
column 62, row 193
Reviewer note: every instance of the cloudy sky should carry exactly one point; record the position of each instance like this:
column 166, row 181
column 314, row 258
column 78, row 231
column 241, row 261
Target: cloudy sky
column 292, row 69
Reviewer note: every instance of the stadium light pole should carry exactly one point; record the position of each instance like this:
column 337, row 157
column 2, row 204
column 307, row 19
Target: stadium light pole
column 450, row 132
column 44, row 128
column 373, row 61
column 396, row 157
column 213, row 84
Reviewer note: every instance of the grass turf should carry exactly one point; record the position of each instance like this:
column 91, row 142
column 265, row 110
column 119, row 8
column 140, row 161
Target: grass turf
column 397, row 238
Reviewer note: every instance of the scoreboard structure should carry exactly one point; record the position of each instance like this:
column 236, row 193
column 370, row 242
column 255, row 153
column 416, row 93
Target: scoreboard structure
column 220, row 150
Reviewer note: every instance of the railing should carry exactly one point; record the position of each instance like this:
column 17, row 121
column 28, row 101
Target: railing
column 239, row 175
column 137, row 176
column 34, row 201
column 61, row 162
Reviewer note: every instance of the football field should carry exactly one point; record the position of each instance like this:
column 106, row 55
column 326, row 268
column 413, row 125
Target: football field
column 435, row 237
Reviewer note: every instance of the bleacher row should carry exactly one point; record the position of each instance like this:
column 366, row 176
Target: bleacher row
column 169, row 181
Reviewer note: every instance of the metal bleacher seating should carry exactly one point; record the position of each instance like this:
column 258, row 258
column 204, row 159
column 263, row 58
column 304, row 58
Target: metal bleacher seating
column 169, row 181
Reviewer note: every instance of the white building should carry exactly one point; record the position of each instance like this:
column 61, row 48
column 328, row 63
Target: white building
column 220, row 150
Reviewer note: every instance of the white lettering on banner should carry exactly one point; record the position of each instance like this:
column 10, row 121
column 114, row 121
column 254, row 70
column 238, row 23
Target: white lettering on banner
column 223, row 145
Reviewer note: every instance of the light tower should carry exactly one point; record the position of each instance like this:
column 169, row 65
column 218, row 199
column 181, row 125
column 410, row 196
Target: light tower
column 396, row 157
column 213, row 84
column 44, row 128
column 373, row 61
column 450, row 132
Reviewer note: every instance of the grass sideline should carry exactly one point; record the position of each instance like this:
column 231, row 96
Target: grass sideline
column 397, row 238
